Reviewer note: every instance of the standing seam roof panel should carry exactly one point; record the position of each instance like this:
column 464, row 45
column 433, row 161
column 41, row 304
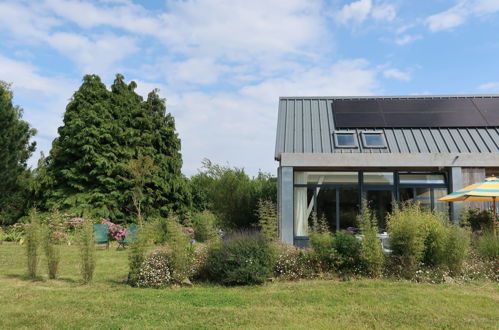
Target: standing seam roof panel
column 298, row 146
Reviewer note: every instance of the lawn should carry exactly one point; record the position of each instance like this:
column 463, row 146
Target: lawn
column 109, row 303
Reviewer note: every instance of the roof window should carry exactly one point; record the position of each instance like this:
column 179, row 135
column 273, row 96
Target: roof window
column 373, row 140
column 345, row 140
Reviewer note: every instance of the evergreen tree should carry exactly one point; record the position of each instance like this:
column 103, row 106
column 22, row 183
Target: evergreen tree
column 15, row 149
column 103, row 131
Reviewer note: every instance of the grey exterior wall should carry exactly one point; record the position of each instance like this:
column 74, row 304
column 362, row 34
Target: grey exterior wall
column 285, row 204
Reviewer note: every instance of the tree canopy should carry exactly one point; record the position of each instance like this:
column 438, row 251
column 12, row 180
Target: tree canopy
column 15, row 149
column 103, row 131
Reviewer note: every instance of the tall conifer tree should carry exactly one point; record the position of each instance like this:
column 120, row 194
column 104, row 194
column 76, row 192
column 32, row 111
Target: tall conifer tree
column 15, row 149
column 103, row 131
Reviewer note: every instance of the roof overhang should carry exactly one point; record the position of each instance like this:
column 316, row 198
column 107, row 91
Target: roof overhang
column 357, row 160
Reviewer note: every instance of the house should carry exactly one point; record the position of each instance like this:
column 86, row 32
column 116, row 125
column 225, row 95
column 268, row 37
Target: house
column 334, row 152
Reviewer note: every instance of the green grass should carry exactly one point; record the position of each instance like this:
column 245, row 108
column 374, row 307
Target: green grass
column 109, row 303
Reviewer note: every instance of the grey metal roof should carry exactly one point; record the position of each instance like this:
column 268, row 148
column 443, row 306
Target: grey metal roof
column 306, row 125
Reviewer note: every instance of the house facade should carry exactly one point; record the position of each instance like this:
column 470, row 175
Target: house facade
column 335, row 152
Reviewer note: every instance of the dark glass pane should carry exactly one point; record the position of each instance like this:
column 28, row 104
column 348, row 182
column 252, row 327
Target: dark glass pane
column 380, row 201
column 345, row 139
column 406, row 194
column 373, row 140
column 349, row 207
column 326, row 205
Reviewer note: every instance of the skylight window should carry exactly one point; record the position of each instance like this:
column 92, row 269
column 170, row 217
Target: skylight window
column 373, row 140
column 345, row 140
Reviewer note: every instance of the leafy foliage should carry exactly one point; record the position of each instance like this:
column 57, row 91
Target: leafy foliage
column 205, row 226
column 15, row 149
column 488, row 246
column 52, row 250
column 231, row 194
column 114, row 151
column 478, row 219
column 267, row 219
column 371, row 252
column 87, row 251
column 33, row 243
column 242, row 259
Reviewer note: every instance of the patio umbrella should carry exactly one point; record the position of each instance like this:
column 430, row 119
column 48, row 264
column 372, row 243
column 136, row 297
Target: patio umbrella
column 485, row 191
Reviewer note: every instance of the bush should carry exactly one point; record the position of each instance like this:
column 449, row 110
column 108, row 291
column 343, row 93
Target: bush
column 419, row 237
column 371, row 251
column 136, row 258
column 267, row 219
column 180, row 244
column 241, row 259
column 348, row 248
column 293, row 263
column 87, row 251
column 32, row 243
column 204, row 224
column 488, row 246
column 478, row 219
column 321, row 242
column 156, row 271
column 456, row 248
column 3, row 235
column 407, row 237
column 52, row 252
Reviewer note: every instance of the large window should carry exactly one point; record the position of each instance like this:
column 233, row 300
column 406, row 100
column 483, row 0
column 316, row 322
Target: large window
column 336, row 195
column 345, row 140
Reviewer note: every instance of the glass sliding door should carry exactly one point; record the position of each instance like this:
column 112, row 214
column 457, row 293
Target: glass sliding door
column 380, row 201
column 327, row 206
column 348, row 207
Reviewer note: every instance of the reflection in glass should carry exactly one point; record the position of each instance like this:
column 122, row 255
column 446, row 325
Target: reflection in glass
column 326, row 177
column 349, row 207
column 440, row 206
column 406, row 194
column 423, row 197
column 378, row 178
column 373, row 140
column 419, row 178
column 380, row 201
column 326, row 206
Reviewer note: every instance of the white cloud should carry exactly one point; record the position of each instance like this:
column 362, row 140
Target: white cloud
column 356, row 11
column 460, row 13
column 96, row 55
column 492, row 86
column 407, row 39
column 397, row 74
column 384, row 12
column 198, row 71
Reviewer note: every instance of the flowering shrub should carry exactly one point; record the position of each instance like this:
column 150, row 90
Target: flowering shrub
column 156, row 270
column 59, row 238
column 114, row 232
column 293, row 263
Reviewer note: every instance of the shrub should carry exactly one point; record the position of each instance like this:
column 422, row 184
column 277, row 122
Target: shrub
column 87, row 251
column 435, row 228
column 407, row 237
column 322, row 244
column 488, row 246
column 181, row 248
column 348, row 248
column 293, row 263
column 478, row 219
column 371, row 251
column 267, row 219
column 204, row 224
column 456, row 248
column 32, row 243
column 52, row 252
column 136, row 258
column 241, row 259
column 114, row 232
column 15, row 233
column 3, row 235
column 156, row 271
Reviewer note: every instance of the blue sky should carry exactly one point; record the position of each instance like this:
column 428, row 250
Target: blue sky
column 222, row 65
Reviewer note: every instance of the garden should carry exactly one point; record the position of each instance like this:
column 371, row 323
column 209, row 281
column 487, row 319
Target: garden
column 185, row 272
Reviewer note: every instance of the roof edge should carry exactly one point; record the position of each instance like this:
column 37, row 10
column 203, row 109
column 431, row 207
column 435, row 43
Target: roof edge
column 389, row 97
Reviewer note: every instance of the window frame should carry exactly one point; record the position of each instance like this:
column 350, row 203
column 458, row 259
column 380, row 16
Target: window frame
column 380, row 133
column 352, row 146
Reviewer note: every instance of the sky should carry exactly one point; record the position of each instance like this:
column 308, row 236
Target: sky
column 222, row 65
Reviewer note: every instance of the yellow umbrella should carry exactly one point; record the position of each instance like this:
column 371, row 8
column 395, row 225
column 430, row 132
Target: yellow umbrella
column 485, row 191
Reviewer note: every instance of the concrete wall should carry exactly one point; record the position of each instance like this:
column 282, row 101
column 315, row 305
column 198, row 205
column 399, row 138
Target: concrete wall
column 285, row 201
